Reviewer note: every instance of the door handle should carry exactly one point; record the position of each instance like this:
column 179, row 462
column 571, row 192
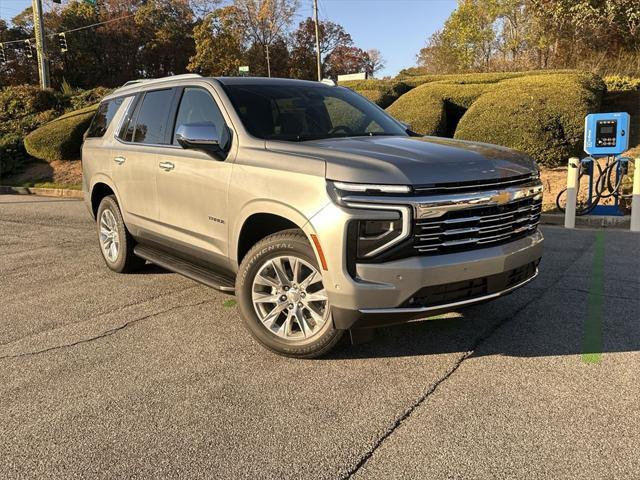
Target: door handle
column 166, row 166
column 119, row 160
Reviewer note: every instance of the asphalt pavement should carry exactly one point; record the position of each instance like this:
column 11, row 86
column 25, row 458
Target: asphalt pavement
column 152, row 375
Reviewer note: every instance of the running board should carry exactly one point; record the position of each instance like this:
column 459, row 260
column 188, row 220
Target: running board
column 203, row 275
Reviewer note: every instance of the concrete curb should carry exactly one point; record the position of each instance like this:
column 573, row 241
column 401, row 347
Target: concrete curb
column 46, row 192
column 589, row 221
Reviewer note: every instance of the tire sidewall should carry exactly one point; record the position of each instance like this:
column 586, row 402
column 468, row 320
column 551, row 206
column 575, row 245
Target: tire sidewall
column 109, row 203
column 291, row 244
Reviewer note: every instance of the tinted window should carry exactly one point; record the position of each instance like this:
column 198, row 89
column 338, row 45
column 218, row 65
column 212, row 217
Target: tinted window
column 129, row 124
column 102, row 118
column 197, row 106
column 151, row 121
column 307, row 112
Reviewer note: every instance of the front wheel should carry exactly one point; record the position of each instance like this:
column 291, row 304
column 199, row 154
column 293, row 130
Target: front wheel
column 282, row 297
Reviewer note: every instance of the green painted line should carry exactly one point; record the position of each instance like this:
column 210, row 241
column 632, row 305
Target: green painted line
column 229, row 304
column 592, row 341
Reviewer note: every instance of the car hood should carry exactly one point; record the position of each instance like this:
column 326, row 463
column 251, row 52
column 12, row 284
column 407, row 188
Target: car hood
column 410, row 160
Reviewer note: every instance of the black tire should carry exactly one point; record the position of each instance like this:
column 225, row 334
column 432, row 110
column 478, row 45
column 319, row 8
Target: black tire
column 290, row 243
column 125, row 261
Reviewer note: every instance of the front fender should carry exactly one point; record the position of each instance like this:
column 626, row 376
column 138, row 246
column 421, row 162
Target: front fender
column 272, row 207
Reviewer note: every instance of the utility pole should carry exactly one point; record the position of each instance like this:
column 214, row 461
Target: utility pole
column 268, row 61
column 318, row 60
column 43, row 64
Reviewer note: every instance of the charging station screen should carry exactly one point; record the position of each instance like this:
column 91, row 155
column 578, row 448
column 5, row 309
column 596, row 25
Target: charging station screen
column 606, row 133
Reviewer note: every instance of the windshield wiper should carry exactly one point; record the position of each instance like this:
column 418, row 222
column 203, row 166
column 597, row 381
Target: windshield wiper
column 377, row 134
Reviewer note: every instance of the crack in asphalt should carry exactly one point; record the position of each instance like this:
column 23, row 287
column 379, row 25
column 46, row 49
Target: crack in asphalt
column 102, row 314
column 604, row 295
column 49, row 225
column 66, row 243
column 106, row 333
column 430, row 391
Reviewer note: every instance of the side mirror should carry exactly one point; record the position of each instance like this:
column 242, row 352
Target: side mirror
column 203, row 136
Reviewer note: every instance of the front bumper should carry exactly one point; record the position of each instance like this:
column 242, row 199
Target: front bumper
column 378, row 294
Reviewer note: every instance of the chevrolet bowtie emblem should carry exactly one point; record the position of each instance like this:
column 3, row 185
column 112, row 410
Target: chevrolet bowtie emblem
column 502, row 197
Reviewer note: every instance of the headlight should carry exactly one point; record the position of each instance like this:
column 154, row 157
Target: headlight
column 374, row 236
column 371, row 188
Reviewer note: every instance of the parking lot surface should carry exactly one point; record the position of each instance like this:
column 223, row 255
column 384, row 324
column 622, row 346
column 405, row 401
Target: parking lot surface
column 150, row 374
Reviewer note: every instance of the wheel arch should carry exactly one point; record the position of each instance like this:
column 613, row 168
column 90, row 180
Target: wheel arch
column 100, row 188
column 260, row 221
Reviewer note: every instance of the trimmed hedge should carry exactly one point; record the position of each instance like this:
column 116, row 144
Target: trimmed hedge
column 62, row 138
column 436, row 108
column 541, row 115
column 621, row 83
column 24, row 108
column 465, row 78
column 381, row 92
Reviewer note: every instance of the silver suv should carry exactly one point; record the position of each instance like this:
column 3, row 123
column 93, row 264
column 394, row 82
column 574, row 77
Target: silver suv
column 320, row 211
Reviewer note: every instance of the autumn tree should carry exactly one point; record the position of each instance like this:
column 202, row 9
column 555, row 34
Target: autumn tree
column 265, row 21
column 255, row 58
column 303, row 46
column 480, row 35
column 344, row 59
column 219, row 43
column 165, row 28
column 376, row 62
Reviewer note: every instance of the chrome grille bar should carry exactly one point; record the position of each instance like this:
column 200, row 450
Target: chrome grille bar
column 479, row 226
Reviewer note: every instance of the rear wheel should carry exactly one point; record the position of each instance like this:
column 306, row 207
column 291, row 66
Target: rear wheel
column 282, row 297
column 116, row 243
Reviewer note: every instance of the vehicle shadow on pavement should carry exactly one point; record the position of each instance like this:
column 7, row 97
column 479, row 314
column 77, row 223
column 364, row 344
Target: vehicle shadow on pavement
column 549, row 317
column 538, row 329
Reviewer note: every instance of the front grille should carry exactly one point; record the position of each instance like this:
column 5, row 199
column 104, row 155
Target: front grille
column 469, row 289
column 477, row 227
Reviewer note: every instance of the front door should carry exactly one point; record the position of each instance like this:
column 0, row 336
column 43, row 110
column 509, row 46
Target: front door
column 192, row 186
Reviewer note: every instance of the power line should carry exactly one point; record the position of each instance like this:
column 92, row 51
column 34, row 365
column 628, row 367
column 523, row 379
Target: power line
column 73, row 29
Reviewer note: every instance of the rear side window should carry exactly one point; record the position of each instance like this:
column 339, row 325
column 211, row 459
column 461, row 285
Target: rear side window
column 152, row 119
column 102, row 119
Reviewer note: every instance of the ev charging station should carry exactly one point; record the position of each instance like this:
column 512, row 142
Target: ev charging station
column 606, row 136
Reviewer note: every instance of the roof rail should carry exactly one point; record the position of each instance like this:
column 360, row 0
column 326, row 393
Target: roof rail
column 147, row 81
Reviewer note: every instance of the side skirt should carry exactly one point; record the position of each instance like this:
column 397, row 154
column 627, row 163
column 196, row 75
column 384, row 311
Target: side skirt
column 207, row 276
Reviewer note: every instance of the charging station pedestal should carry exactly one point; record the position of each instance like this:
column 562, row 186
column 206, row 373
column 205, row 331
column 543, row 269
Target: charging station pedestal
column 606, row 136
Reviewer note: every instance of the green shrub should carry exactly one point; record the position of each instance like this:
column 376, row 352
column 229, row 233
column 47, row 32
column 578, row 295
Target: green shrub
column 381, row 92
column 465, row 78
column 11, row 153
column 23, row 100
column 436, row 108
column 621, row 83
column 60, row 139
column 22, row 109
column 85, row 98
column 541, row 115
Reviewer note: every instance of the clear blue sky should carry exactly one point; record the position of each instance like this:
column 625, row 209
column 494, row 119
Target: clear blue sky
column 398, row 28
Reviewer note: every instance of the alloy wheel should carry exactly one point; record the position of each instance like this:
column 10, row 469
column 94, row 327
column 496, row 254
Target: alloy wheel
column 109, row 236
column 289, row 298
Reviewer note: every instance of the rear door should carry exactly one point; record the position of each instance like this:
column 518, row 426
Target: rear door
column 135, row 156
column 192, row 186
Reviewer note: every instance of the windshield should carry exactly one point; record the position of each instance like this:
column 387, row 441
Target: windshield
column 301, row 112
